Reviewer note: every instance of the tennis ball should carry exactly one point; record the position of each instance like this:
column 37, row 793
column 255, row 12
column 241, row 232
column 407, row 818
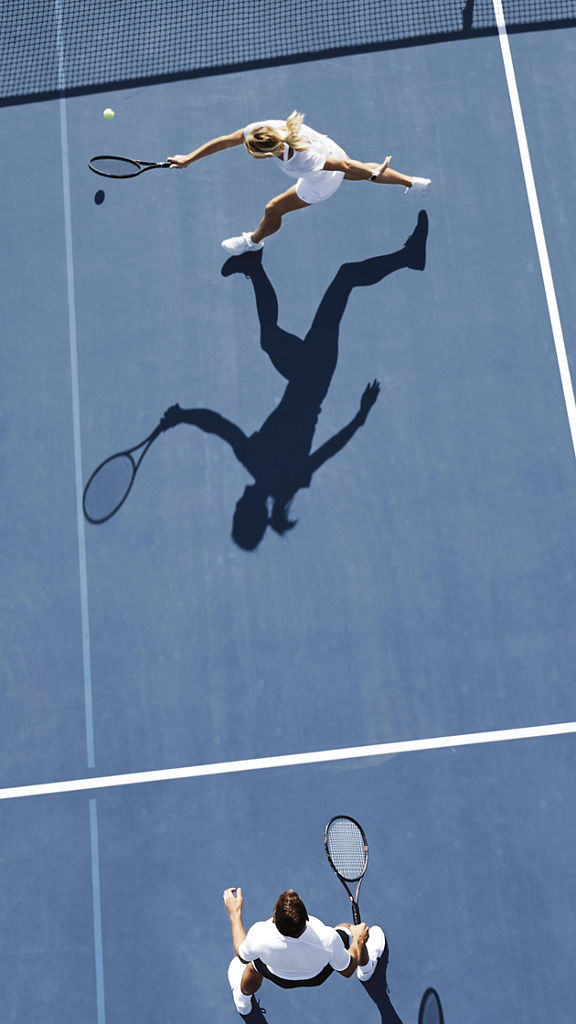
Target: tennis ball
column 108, row 114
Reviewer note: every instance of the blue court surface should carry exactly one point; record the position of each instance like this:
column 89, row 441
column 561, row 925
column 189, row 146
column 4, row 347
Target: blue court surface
column 180, row 714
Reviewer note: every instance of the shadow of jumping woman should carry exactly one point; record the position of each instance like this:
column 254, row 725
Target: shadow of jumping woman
column 279, row 455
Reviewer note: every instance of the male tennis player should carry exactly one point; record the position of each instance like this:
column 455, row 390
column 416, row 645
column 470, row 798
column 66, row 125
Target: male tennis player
column 295, row 950
column 319, row 165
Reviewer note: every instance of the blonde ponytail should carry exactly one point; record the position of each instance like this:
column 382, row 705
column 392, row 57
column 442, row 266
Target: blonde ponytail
column 292, row 134
column 264, row 140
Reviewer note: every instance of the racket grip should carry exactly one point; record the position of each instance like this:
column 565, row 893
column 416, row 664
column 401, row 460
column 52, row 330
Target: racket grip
column 355, row 912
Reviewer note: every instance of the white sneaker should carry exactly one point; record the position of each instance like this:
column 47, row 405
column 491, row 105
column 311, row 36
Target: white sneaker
column 375, row 947
column 235, row 971
column 419, row 185
column 243, row 243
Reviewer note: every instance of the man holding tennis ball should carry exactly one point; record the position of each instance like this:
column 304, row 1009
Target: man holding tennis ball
column 294, row 950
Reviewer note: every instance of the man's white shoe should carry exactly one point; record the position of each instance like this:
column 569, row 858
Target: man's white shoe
column 375, row 946
column 419, row 186
column 243, row 243
column 235, row 971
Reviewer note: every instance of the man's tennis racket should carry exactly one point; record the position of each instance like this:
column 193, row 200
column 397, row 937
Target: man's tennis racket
column 110, row 484
column 430, row 1008
column 347, row 851
column 122, row 166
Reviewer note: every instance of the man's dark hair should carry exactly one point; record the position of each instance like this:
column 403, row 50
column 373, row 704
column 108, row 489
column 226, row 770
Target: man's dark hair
column 290, row 914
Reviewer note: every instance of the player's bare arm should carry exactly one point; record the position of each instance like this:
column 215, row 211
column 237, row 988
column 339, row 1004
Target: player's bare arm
column 213, row 146
column 357, row 949
column 233, row 902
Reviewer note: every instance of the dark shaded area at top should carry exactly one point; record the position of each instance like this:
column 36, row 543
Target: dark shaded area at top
column 51, row 48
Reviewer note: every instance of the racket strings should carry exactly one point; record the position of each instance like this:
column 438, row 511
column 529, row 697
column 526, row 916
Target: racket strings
column 108, row 488
column 117, row 166
column 347, row 849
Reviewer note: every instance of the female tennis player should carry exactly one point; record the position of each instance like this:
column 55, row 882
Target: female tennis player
column 318, row 164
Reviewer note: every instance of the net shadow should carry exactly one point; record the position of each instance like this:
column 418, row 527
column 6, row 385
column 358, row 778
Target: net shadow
column 52, row 48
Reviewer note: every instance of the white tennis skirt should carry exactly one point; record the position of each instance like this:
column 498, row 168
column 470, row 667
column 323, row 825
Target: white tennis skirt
column 320, row 185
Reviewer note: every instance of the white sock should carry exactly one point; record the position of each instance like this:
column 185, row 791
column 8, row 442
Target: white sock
column 242, row 1003
column 366, row 970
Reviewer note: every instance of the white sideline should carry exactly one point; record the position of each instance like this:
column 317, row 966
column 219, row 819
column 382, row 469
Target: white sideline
column 74, row 379
column 549, row 289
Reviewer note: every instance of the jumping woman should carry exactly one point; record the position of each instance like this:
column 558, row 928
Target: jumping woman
column 318, row 164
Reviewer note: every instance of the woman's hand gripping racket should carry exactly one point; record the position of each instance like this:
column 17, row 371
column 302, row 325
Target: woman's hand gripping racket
column 111, row 483
column 347, row 852
column 122, row 166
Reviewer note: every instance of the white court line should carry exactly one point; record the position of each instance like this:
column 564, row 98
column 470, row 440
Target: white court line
column 97, row 911
column 289, row 760
column 73, row 343
column 536, row 220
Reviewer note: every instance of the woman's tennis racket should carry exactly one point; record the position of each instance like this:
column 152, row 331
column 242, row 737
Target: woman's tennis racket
column 110, row 484
column 347, row 851
column 122, row 166
column 430, row 1008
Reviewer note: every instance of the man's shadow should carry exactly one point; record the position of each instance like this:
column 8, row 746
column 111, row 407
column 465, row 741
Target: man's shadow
column 279, row 455
column 377, row 989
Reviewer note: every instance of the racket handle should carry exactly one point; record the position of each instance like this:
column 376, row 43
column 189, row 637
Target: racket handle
column 355, row 912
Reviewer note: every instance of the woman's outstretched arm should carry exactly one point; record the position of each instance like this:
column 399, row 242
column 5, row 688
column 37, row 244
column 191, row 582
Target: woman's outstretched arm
column 213, row 146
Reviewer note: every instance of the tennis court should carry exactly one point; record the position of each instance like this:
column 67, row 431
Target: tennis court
column 180, row 715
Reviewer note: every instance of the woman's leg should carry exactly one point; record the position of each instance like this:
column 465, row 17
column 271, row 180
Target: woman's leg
column 275, row 210
column 386, row 177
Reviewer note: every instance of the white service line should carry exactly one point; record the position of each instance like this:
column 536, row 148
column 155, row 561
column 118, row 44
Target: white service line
column 289, row 760
column 536, row 220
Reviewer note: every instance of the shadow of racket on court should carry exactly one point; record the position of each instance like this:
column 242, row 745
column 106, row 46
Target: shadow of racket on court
column 111, row 483
column 430, row 1008
column 279, row 455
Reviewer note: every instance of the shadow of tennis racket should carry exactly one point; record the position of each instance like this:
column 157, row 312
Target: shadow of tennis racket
column 111, row 483
column 430, row 1008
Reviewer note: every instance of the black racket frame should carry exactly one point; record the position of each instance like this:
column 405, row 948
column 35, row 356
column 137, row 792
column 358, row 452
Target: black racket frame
column 135, row 463
column 139, row 166
column 353, row 898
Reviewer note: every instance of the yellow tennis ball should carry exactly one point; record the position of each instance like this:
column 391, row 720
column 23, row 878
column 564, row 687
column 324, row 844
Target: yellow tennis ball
column 108, row 114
